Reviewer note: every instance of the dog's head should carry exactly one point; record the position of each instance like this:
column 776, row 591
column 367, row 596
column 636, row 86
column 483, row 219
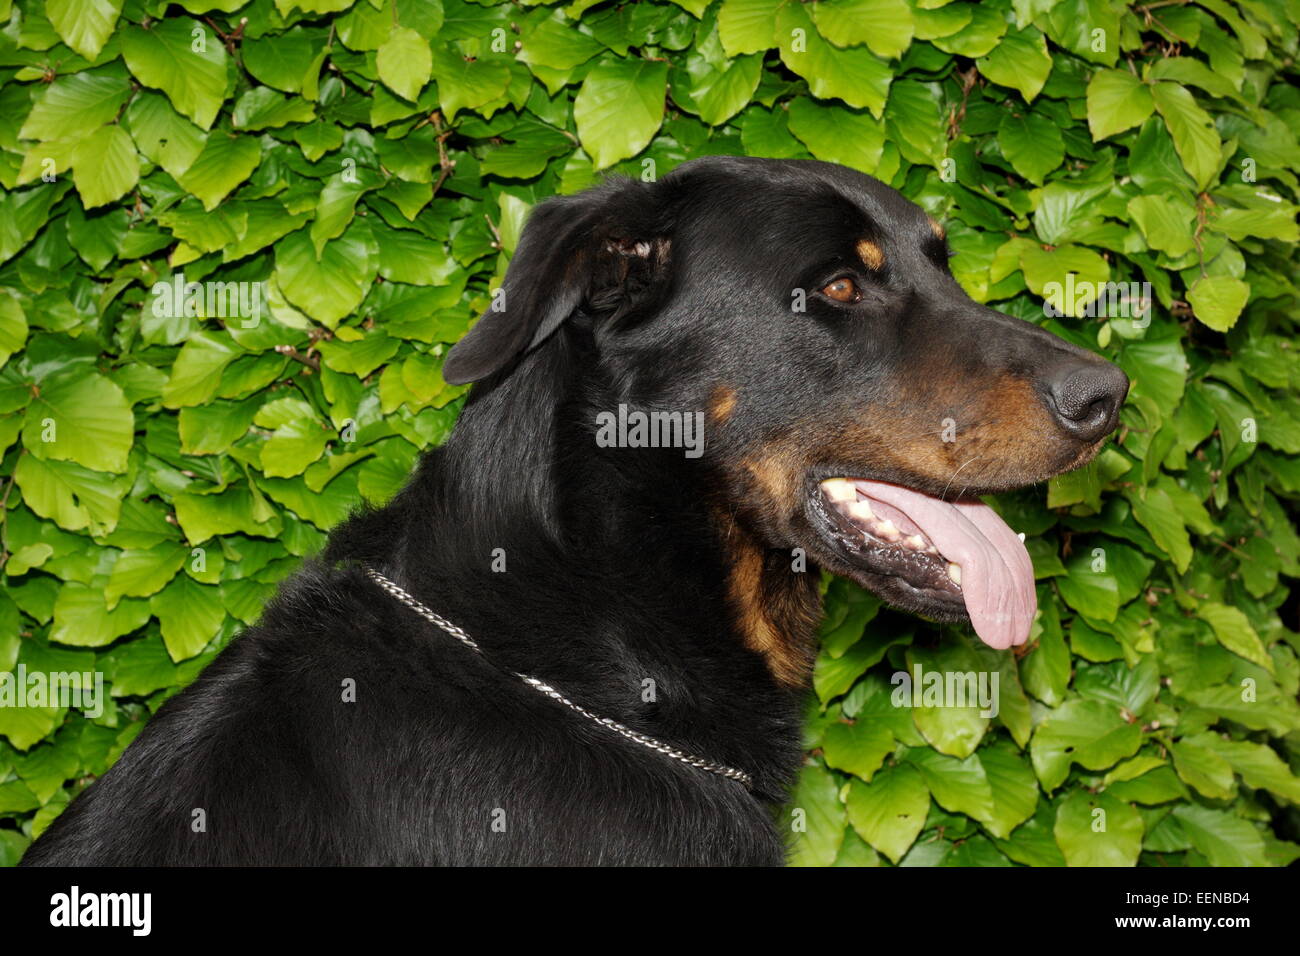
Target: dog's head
column 856, row 400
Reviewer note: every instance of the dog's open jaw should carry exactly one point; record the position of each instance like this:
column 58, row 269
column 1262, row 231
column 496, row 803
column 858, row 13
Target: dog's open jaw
column 955, row 551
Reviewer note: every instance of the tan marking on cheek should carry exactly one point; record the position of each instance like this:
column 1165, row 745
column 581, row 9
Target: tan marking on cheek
column 774, row 475
column 870, row 254
column 774, row 611
column 722, row 403
column 937, row 228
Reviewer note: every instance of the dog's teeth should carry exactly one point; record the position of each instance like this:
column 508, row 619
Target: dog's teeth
column 916, row 542
column 1021, row 536
column 861, row 510
column 839, row 490
column 887, row 530
column 954, row 573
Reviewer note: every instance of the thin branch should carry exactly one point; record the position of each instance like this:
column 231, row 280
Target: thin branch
column 288, row 351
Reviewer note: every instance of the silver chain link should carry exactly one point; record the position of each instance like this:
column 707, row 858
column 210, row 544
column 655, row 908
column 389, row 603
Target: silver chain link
column 547, row 690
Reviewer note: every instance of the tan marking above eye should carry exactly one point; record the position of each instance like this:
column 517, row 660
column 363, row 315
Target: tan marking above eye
column 842, row 290
column 871, row 254
column 937, row 229
column 722, row 403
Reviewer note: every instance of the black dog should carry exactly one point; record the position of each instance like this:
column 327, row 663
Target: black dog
column 806, row 315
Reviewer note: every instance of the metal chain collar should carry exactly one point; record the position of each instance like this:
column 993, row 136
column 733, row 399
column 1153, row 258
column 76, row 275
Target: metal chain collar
column 547, row 690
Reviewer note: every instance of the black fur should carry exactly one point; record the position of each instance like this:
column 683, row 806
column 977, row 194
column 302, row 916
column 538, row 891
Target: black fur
column 617, row 562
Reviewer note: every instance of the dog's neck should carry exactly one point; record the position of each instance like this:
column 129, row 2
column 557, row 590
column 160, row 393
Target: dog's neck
column 523, row 478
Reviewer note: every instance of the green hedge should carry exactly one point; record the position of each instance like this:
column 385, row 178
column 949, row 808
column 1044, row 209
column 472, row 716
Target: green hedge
column 367, row 164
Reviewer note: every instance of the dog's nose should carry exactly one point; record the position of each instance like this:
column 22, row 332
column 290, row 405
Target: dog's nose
column 1086, row 397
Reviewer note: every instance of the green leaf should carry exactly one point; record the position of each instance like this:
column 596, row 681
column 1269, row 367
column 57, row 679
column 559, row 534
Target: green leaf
column 467, row 84
column 140, row 667
column 105, row 166
column 885, row 26
column 71, row 496
column 263, row 108
column 298, row 438
column 1012, row 785
column 84, row 25
column 1089, row 586
column 183, row 59
column 235, row 510
column 748, row 26
column 859, row 748
column 13, row 329
column 328, row 289
column 619, row 109
column 1273, row 222
column 196, row 373
column 85, row 419
column 225, row 162
column 1117, row 100
column 1167, row 222
column 189, row 614
column 163, row 135
column 914, row 120
column 1020, row 61
column 532, row 146
column 558, row 43
column 817, row 819
column 82, row 617
column 1157, row 512
column 1032, row 144
column 890, row 811
column 959, row 786
column 74, row 106
column 856, row 75
column 1203, row 769
column 1047, row 273
column 1193, row 131
column 405, row 63
column 720, row 91
column 1259, row 766
column 1222, row 838
column 1096, row 829
column 1218, row 300
column 951, row 726
column 1087, row 732
column 143, row 573
column 317, row 139
column 335, row 209
column 836, row 134
column 283, row 60
column 1234, row 632
column 986, row 27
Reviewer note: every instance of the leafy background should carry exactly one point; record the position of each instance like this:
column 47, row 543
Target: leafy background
column 373, row 160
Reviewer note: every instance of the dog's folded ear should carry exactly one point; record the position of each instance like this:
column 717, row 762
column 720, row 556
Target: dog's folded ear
column 602, row 249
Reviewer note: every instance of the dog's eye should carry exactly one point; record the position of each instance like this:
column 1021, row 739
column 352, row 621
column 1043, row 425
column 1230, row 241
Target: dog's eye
column 842, row 290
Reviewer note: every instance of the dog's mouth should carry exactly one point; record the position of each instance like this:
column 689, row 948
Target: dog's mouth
column 943, row 559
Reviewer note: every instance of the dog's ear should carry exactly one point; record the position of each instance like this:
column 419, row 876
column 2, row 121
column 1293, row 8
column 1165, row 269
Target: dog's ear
column 601, row 248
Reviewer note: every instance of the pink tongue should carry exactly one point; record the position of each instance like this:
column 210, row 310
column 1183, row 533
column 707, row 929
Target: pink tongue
column 997, row 577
